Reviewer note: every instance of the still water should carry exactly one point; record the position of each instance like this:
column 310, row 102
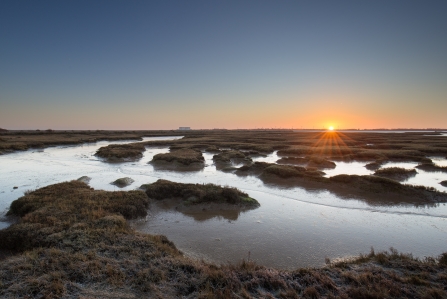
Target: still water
column 293, row 227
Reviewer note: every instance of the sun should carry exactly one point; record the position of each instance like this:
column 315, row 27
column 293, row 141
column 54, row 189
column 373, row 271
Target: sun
column 331, row 128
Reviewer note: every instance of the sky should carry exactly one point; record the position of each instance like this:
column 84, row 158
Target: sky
column 146, row 65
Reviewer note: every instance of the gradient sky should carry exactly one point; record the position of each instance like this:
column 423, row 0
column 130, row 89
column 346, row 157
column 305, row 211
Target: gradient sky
column 223, row 64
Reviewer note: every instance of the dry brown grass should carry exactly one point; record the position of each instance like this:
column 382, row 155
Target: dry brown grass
column 180, row 159
column 11, row 141
column 396, row 173
column 121, row 152
column 198, row 193
column 73, row 242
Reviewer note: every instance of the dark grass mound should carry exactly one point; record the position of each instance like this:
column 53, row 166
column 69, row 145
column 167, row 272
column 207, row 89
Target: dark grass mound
column 225, row 160
column 286, row 171
column 75, row 243
column 444, row 183
column 308, row 161
column 121, row 152
column 122, row 182
column 384, row 190
column 373, row 189
column 212, row 149
column 198, row 193
column 84, row 179
column 374, row 165
column 53, row 209
column 229, row 156
column 184, row 156
column 396, row 173
column 431, row 167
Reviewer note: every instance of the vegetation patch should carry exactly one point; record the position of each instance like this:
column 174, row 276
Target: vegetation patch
column 225, row 159
column 431, row 167
column 444, row 183
column 121, row 152
column 396, row 173
column 123, row 182
column 287, row 171
column 184, row 158
column 198, row 193
column 85, row 179
column 309, row 161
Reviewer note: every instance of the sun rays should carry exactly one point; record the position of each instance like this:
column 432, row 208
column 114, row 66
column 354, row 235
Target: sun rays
column 331, row 144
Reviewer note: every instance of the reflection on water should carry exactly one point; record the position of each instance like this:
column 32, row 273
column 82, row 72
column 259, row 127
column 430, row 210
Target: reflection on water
column 293, row 227
column 287, row 234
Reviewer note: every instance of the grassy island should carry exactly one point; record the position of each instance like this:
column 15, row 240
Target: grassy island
column 121, row 152
column 192, row 194
column 180, row 159
column 396, row 173
column 316, row 162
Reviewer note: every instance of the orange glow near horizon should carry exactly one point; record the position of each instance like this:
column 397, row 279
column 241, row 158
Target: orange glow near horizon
column 331, row 128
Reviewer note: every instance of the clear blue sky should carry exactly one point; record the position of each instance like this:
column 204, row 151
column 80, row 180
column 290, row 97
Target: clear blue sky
column 214, row 64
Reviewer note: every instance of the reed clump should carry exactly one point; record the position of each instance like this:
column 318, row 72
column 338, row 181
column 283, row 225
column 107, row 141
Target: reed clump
column 198, row 193
column 228, row 156
column 121, row 152
column 308, row 161
column 183, row 156
column 123, row 182
column 396, row 173
column 431, row 167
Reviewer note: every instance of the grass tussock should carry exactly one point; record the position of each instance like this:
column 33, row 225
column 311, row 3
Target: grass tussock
column 123, row 182
column 121, row 152
column 396, row 173
column 287, row 171
column 184, row 156
column 74, row 242
column 431, row 167
column 198, row 193
column 229, row 156
column 309, row 161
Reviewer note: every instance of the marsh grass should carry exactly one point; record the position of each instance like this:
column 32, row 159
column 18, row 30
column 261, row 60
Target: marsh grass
column 431, row 167
column 74, row 242
column 396, row 173
column 198, row 193
column 121, row 152
column 183, row 156
column 228, row 156
column 309, row 161
column 122, row 182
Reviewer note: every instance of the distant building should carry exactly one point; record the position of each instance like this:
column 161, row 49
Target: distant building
column 184, row 128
